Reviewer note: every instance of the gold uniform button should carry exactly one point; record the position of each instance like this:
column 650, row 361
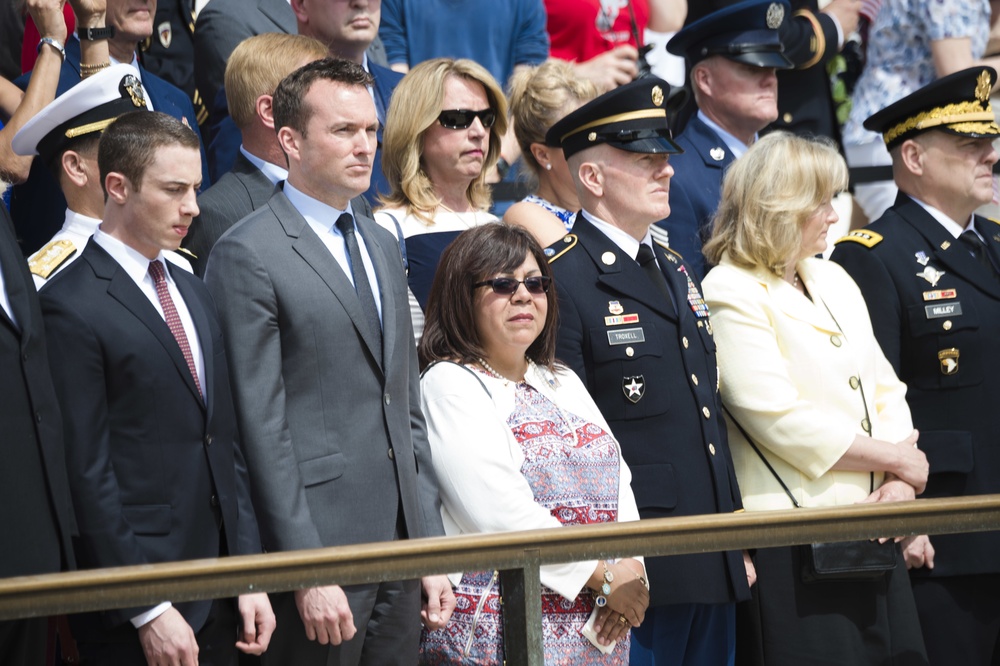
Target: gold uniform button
column 629, row 352
column 787, row 118
column 946, row 325
column 855, row 383
column 684, row 341
column 704, row 410
column 835, row 340
column 711, row 448
column 694, row 379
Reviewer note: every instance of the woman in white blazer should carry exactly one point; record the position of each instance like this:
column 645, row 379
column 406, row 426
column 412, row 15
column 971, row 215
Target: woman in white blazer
column 804, row 380
column 519, row 444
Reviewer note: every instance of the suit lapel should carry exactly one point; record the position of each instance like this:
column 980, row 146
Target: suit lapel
column 123, row 289
column 949, row 252
column 308, row 246
column 10, row 260
column 280, row 12
column 257, row 185
column 622, row 274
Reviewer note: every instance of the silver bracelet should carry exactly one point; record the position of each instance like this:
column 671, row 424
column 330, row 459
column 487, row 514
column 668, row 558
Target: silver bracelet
column 54, row 43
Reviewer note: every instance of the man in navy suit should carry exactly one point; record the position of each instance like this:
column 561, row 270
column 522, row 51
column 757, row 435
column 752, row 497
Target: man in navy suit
column 38, row 206
column 732, row 56
column 634, row 326
column 155, row 468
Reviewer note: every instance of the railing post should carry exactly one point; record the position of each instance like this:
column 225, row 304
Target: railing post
column 521, row 590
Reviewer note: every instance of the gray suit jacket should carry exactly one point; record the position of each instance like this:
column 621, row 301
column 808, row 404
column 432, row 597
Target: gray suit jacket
column 238, row 193
column 333, row 433
column 223, row 24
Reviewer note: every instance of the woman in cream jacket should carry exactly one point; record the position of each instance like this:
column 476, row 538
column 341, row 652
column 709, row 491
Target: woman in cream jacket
column 803, row 376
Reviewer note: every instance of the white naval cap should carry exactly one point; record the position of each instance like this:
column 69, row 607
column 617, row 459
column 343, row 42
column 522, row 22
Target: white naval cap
column 87, row 107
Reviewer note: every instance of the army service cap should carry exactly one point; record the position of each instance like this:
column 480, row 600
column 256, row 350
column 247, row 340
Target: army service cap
column 958, row 103
column 632, row 117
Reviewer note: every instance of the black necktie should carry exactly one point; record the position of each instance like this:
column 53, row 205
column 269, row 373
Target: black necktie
column 345, row 223
column 977, row 248
column 647, row 262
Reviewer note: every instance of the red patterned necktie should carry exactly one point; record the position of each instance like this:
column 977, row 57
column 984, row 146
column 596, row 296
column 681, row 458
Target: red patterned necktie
column 173, row 319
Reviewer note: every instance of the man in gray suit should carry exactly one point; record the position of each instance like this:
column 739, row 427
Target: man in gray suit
column 255, row 69
column 313, row 301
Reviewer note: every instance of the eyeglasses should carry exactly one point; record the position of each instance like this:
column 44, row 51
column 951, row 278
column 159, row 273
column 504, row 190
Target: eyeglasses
column 536, row 284
column 459, row 119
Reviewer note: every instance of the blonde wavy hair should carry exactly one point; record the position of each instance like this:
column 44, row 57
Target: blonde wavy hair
column 768, row 194
column 416, row 104
column 540, row 96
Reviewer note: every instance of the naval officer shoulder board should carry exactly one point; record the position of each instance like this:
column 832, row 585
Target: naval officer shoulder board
column 53, row 255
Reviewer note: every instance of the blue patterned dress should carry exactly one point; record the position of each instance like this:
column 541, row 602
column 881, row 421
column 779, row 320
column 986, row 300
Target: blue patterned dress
column 572, row 467
column 565, row 216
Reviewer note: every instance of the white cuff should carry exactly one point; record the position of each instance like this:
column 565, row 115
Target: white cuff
column 145, row 618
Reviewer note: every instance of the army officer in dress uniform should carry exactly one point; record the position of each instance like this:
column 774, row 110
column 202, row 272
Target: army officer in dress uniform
column 928, row 269
column 635, row 328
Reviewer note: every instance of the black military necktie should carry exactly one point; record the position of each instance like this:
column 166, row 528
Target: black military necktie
column 647, row 261
column 977, row 248
column 345, row 223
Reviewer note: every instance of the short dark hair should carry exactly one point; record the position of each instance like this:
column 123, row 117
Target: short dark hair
column 288, row 101
column 128, row 146
column 81, row 144
column 480, row 254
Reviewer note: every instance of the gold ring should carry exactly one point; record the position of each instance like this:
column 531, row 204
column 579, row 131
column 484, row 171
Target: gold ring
column 624, row 620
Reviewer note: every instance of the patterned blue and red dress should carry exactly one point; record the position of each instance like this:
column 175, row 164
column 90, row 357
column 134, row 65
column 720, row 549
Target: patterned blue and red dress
column 572, row 467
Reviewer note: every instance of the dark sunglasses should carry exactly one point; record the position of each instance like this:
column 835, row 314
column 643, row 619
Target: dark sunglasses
column 461, row 118
column 536, row 284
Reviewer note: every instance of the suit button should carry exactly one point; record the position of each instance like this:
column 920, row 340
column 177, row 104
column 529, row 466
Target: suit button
column 787, row 118
column 629, row 352
column 387, row 399
column 711, row 448
column 24, row 357
column 694, row 379
column 704, row 410
column 946, row 325
column 684, row 341
column 38, row 417
column 855, row 383
column 835, row 340
column 214, row 501
column 392, row 454
column 208, row 440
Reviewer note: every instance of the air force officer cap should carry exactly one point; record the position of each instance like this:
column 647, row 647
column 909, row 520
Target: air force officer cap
column 632, row 117
column 746, row 32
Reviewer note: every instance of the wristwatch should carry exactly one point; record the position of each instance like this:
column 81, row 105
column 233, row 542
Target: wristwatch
column 94, row 34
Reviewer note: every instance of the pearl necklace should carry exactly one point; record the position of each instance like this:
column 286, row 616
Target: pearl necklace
column 506, row 382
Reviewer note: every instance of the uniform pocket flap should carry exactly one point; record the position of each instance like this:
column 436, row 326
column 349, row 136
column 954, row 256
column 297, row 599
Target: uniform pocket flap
column 948, row 450
column 654, row 486
column 148, row 518
column 319, row 470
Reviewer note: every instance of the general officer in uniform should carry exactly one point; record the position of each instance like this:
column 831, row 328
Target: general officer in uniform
column 928, row 269
column 733, row 56
column 635, row 328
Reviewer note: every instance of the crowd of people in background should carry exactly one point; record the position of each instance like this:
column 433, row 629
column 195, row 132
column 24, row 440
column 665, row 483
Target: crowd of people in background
column 259, row 292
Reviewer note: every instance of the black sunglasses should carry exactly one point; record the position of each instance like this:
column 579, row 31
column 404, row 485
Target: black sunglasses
column 536, row 284
column 461, row 118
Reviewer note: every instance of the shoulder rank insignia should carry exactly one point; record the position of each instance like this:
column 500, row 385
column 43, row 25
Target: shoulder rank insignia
column 867, row 238
column 993, row 221
column 559, row 248
column 53, row 255
column 672, row 254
